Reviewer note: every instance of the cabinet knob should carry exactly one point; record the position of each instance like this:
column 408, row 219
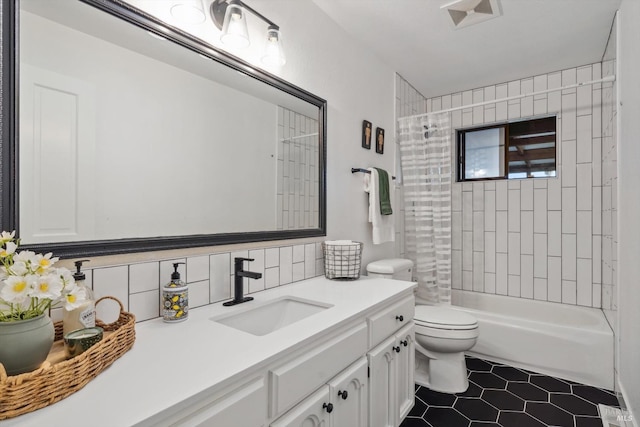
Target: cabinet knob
column 404, row 343
column 328, row 407
column 344, row 394
column 396, row 349
column 400, row 318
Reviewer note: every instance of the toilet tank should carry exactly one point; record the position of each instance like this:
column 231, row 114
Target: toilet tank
column 393, row 268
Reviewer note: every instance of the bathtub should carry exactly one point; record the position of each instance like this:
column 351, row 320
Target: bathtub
column 565, row 341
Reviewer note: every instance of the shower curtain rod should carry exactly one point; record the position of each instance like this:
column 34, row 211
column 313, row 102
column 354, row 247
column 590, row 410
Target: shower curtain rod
column 509, row 98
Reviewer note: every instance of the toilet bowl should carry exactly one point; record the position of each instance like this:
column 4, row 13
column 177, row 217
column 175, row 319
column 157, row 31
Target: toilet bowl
column 442, row 335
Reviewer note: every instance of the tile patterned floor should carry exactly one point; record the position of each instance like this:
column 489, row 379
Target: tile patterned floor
column 503, row 396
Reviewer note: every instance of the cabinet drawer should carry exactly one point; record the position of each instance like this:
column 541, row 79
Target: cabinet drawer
column 389, row 320
column 296, row 379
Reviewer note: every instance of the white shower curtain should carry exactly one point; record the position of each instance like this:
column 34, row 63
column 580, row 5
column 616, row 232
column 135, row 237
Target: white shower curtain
column 425, row 155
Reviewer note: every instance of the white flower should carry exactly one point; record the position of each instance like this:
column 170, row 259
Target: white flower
column 64, row 275
column 8, row 250
column 28, row 258
column 6, row 237
column 75, row 298
column 44, row 262
column 19, row 268
column 48, row 286
column 17, row 288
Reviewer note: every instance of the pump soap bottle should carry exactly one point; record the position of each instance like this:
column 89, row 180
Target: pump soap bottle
column 84, row 316
column 175, row 298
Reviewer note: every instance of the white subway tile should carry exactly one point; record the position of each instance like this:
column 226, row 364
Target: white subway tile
column 490, row 211
column 489, row 113
column 540, row 182
column 198, row 293
column 596, row 110
column 568, row 166
column 514, row 253
column 490, row 252
column 514, row 210
column 569, row 78
column 309, row 260
column 467, row 280
column 583, row 235
column 456, row 269
column 490, row 283
column 569, row 210
column 584, row 141
column 456, row 230
column 467, row 211
column 502, row 287
column 554, row 191
column 478, row 271
column 569, row 292
column 467, row 250
column 540, row 289
column 584, row 187
column 514, row 285
column 271, row 257
column 145, row 305
column 513, row 88
column 568, row 118
column 554, row 80
column 597, row 259
column 526, row 233
column 526, row 195
column 514, row 184
column 596, row 298
column 272, row 277
column 319, row 254
column 298, row 253
column 478, row 196
column 584, row 283
column 540, row 105
column 540, row 255
column 501, row 196
column 526, row 276
column 554, row 284
column 257, row 266
column 569, row 257
column 286, row 265
column 144, row 277
column 597, row 210
column 320, row 265
column 555, row 233
column 298, row 271
column 111, row 281
column 219, row 277
column 540, row 210
column 489, row 93
column 478, row 231
column 501, row 111
column 501, row 232
column 197, row 269
column 526, row 106
column 456, row 197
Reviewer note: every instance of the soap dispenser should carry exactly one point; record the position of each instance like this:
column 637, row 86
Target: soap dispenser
column 175, row 298
column 83, row 316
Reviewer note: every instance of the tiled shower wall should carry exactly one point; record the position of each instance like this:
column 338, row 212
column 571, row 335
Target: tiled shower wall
column 297, row 187
column 609, row 183
column 210, row 277
column 409, row 102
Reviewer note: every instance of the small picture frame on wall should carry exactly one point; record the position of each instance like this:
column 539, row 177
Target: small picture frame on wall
column 366, row 134
column 379, row 140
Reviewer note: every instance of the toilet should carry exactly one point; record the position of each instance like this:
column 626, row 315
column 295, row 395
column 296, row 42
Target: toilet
column 443, row 334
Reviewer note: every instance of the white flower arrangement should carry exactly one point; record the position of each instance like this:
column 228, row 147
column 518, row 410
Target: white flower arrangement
column 30, row 285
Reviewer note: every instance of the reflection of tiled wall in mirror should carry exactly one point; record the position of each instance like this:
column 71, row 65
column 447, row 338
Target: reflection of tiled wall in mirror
column 297, row 171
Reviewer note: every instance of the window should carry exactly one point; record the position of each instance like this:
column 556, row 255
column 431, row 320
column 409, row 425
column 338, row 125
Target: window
column 522, row 149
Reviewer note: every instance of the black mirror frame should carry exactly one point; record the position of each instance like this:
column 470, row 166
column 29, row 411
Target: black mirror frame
column 9, row 206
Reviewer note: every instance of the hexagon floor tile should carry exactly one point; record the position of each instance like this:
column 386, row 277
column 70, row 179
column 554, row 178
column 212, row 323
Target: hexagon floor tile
column 504, row 396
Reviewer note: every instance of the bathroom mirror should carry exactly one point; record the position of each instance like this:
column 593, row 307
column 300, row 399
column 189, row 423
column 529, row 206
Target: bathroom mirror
column 132, row 135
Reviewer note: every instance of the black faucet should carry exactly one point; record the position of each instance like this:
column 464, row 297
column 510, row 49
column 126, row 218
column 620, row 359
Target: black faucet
column 239, row 297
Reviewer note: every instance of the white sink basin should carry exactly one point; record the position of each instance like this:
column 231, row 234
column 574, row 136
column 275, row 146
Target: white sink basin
column 272, row 315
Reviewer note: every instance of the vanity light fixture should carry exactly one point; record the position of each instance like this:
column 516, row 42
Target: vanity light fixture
column 230, row 17
column 188, row 11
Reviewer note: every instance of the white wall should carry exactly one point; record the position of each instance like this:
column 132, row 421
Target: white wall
column 533, row 238
column 629, row 206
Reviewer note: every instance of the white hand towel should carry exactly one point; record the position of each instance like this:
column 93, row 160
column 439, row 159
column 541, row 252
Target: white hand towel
column 382, row 225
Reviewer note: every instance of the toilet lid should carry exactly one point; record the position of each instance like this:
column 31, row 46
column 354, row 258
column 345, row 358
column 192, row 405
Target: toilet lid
column 443, row 318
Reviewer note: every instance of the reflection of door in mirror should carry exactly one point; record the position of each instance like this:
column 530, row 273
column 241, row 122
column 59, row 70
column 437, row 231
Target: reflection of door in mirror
column 126, row 136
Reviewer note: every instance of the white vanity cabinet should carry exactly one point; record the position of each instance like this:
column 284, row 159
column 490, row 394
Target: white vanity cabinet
column 349, row 394
column 314, row 411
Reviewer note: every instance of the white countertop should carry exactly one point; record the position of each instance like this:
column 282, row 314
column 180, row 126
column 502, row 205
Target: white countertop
column 170, row 363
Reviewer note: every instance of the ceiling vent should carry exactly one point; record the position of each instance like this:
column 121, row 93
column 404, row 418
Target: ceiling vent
column 464, row 13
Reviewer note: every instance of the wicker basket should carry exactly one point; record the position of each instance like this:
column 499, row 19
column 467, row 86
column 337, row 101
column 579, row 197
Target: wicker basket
column 342, row 261
column 58, row 378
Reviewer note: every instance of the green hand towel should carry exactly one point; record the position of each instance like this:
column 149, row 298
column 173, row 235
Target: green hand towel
column 383, row 192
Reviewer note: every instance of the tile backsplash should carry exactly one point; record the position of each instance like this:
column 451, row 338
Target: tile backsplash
column 209, row 276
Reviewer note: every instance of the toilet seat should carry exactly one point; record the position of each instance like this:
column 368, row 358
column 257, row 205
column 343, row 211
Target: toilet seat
column 443, row 318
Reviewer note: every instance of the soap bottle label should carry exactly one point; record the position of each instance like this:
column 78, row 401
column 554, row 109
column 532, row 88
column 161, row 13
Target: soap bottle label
column 88, row 316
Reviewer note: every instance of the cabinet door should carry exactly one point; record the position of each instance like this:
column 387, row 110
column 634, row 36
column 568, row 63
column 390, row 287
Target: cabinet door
column 405, row 368
column 312, row 412
column 382, row 384
column 349, row 395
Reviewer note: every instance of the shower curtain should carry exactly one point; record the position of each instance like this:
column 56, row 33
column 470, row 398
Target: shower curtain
column 425, row 155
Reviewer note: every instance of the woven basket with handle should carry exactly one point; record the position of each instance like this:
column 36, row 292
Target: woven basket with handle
column 58, row 378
